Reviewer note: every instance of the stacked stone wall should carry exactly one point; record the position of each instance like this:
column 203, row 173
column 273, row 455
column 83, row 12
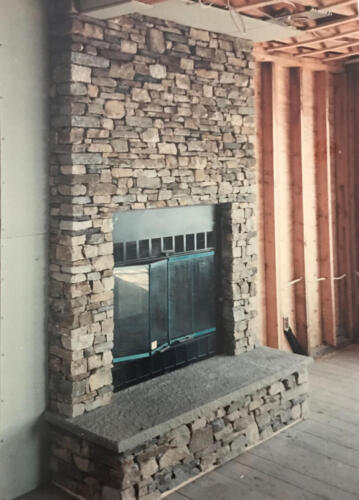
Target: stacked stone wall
column 95, row 473
column 144, row 114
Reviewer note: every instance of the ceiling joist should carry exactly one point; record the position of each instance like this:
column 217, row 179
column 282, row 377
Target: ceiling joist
column 313, row 41
column 342, row 56
column 329, row 49
column 333, row 24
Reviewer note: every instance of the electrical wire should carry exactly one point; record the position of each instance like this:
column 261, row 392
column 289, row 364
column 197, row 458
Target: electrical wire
column 233, row 13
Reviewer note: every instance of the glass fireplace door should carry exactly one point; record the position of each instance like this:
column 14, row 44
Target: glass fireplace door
column 165, row 290
column 159, row 304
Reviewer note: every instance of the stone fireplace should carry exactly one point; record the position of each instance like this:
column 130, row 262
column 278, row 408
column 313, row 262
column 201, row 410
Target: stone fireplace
column 149, row 116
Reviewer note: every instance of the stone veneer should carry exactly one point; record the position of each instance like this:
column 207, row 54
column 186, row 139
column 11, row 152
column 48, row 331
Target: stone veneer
column 144, row 114
column 146, row 472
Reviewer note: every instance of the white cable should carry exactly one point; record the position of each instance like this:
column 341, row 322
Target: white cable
column 321, row 279
column 233, row 14
column 339, row 277
column 290, row 283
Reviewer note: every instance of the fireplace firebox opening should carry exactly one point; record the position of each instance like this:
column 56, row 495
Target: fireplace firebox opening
column 165, row 298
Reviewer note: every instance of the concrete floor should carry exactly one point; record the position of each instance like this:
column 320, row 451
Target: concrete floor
column 316, row 459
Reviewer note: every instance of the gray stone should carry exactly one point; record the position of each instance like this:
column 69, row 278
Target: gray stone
column 201, row 439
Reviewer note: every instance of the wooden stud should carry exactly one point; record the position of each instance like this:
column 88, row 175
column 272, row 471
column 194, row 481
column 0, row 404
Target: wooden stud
column 261, row 288
column 351, row 194
column 267, row 226
column 296, row 193
column 310, row 222
column 321, row 81
column 283, row 203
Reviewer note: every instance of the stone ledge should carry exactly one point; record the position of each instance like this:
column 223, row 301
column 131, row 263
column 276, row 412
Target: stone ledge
column 153, row 408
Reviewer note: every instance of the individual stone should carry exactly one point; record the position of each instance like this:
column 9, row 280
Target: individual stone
column 183, row 82
column 101, row 377
column 150, row 135
column 89, row 60
column 125, row 71
column 167, row 149
column 148, row 182
column 140, row 95
column 156, row 41
column 276, row 388
column 120, row 146
column 114, row 109
column 201, row 439
column 158, row 71
column 128, row 47
column 201, row 35
column 80, row 73
column 173, row 456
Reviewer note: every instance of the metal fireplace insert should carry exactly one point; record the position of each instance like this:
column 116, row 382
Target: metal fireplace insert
column 165, row 290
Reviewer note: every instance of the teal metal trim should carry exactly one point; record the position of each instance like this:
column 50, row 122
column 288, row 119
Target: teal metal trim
column 147, row 355
column 194, row 335
column 191, row 257
column 132, row 357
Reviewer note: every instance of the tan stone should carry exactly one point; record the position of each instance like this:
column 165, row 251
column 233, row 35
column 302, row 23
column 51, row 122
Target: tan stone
column 140, row 95
column 80, row 73
column 199, row 35
column 157, row 42
column 183, row 82
column 122, row 172
column 77, row 342
column 100, row 378
column 186, row 64
column 158, row 71
column 150, row 135
column 114, row 109
column 103, row 262
column 100, row 148
column 128, row 47
column 68, row 253
column 70, row 225
column 73, row 169
column 92, row 91
column 167, row 148
column 126, row 71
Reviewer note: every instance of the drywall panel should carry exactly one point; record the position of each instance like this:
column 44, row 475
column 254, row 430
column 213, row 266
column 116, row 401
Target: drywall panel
column 23, row 161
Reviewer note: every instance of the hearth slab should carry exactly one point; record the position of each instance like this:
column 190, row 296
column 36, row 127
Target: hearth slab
column 152, row 408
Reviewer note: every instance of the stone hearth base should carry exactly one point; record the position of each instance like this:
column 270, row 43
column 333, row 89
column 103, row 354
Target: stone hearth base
column 161, row 433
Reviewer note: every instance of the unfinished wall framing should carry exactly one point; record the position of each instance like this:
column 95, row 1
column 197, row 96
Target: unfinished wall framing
column 307, row 215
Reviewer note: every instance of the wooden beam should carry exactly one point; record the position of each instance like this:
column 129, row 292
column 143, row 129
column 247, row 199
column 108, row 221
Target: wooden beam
column 283, row 203
column 313, row 41
column 300, row 327
column 332, row 24
column 310, row 221
column 342, row 3
column 329, row 49
column 289, row 61
column 268, row 272
column 351, row 199
column 341, row 158
column 331, row 336
column 322, row 155
column 342, row 56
